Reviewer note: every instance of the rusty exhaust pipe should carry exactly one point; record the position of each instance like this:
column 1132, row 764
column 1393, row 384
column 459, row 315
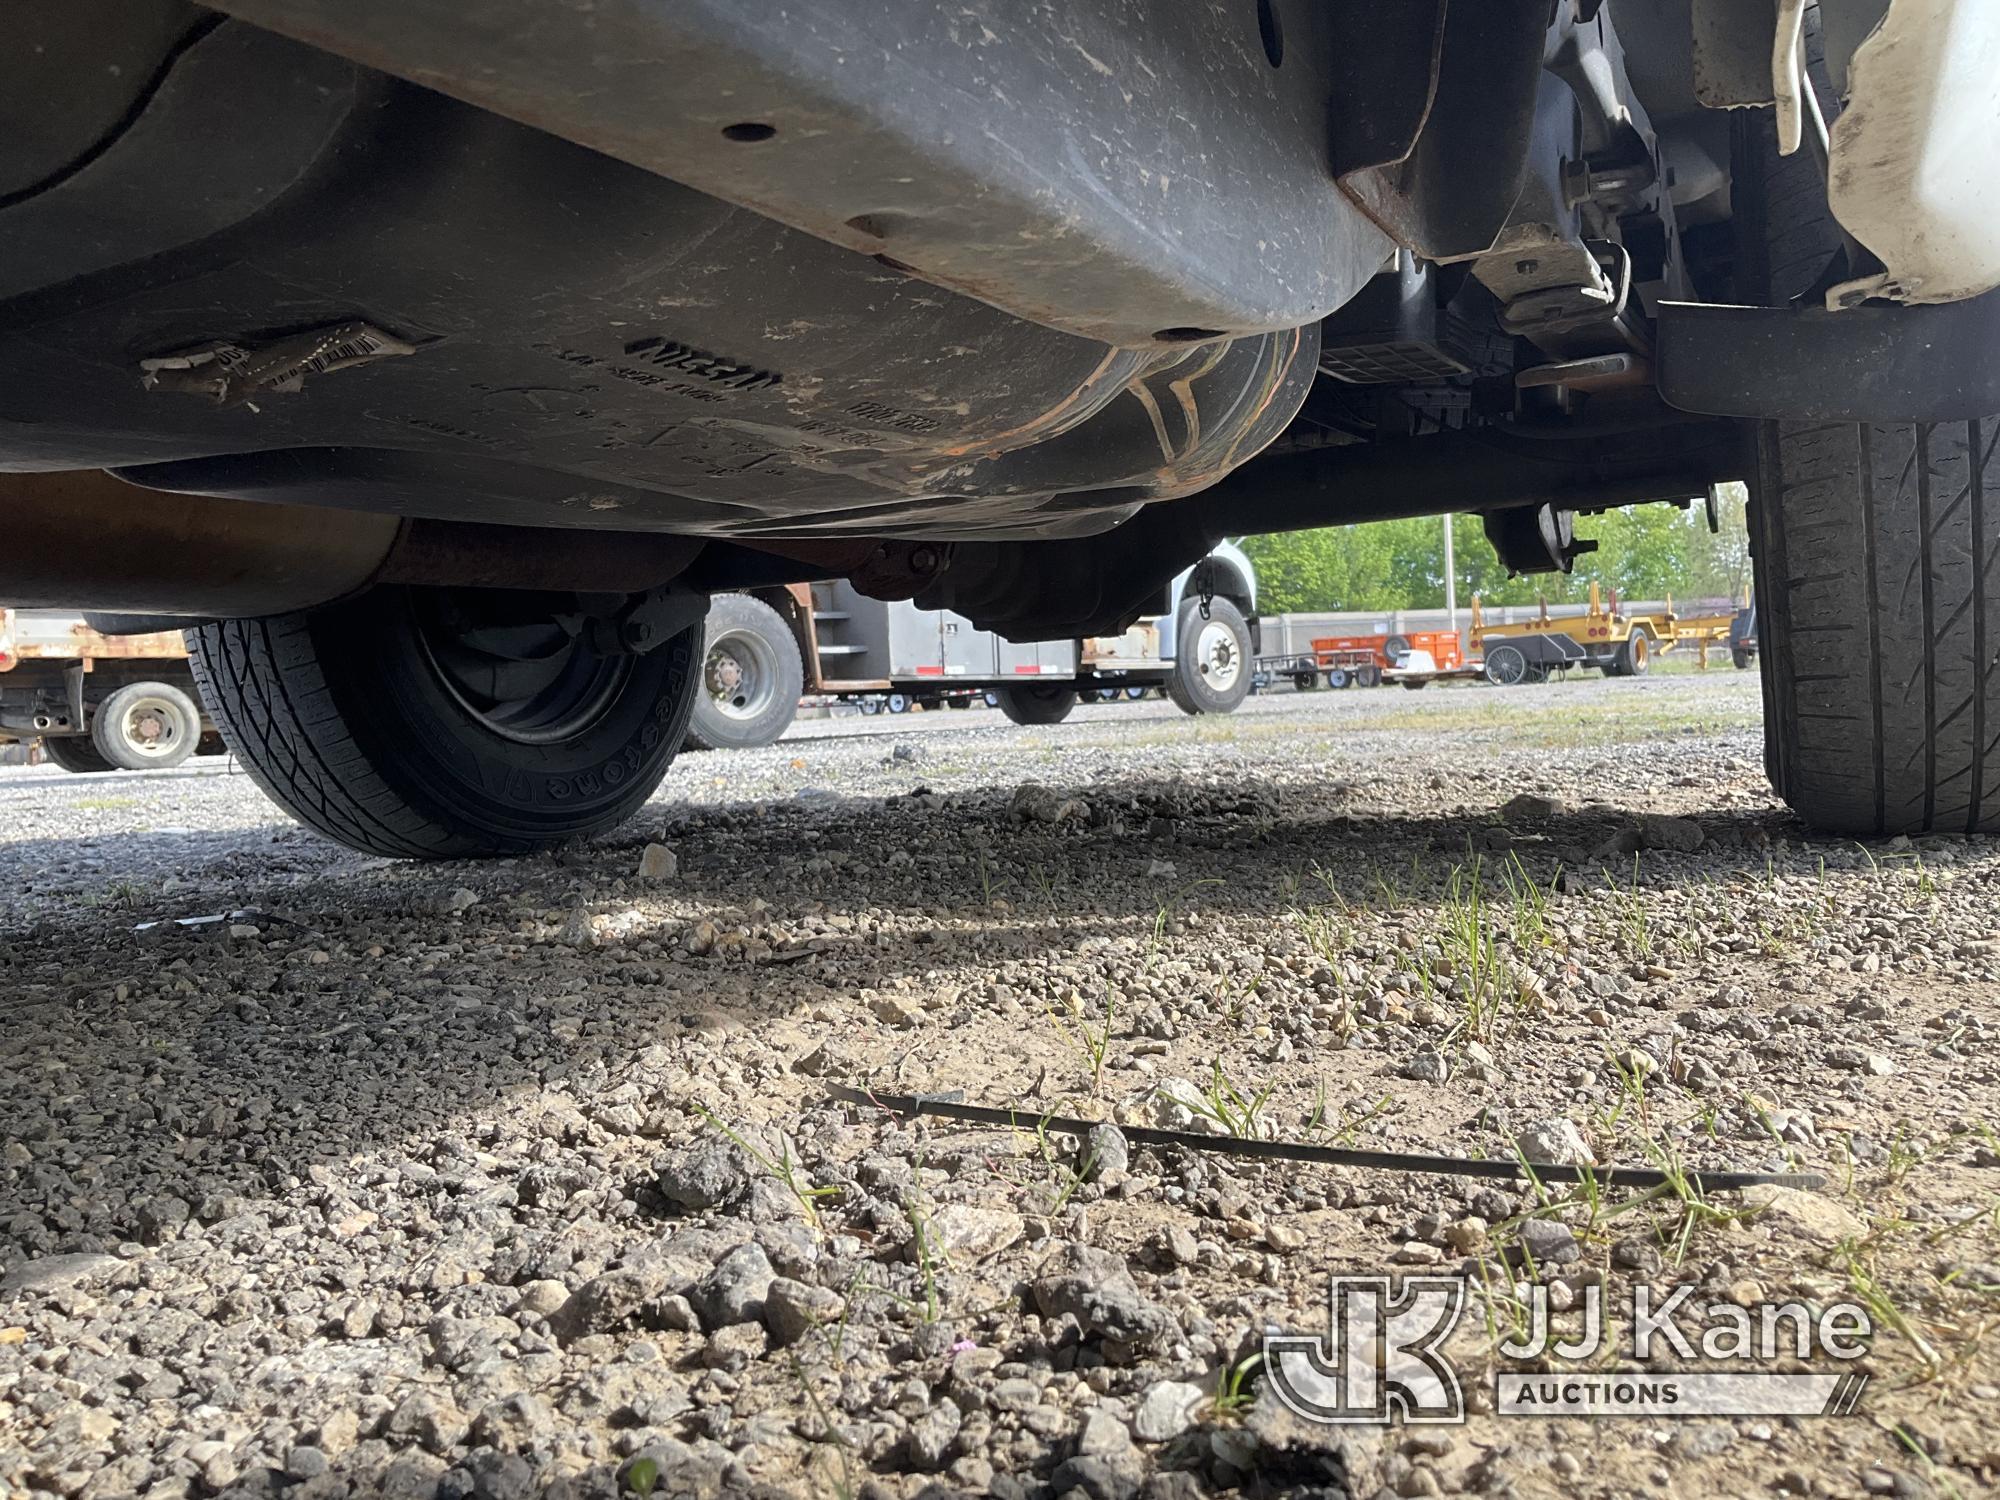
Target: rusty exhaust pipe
column 85, row 539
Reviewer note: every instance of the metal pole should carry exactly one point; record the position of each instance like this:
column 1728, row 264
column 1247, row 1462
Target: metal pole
column 1450, row 579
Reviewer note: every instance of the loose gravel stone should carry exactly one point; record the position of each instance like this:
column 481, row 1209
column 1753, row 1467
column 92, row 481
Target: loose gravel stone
column 734, row 1291
column 1556, row 1142
column 1167, row 1411
column 708, row 1174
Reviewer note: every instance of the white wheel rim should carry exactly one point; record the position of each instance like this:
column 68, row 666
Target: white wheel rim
column 152, row 727
column 1216, row 655
column 740, row 674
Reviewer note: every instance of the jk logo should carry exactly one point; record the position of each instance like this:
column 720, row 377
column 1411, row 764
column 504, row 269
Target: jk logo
column 1380, row 1354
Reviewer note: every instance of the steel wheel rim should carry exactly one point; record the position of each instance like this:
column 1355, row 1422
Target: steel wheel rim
column 151, row 725
column 1216, row 656
column 570, row 685
column 740, row 675
column 1507, row 667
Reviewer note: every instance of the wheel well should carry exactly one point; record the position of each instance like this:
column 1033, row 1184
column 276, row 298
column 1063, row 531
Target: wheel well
column 1224, row 580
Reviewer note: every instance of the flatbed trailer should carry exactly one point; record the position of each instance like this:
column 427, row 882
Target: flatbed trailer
column 98, row 702
column 1604, row 637
column 1735, row 629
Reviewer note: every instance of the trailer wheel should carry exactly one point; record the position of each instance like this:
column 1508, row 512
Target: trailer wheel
column 74, row 752
column 1634, row 655
column 1741, row 657
column 1214, row 676
column 1338, row 677
column 1368, row 677
column 146, row 726
column 446, row 723
column 751, row 677
column 1045, row 703
column 897, row 703
column 1304, row 682
column 1506, row 666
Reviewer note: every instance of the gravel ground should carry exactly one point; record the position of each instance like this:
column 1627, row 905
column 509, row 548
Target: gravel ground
column 520, row 1178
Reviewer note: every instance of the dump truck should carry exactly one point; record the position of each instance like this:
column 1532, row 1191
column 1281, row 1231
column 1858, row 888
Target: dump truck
column 98, row 702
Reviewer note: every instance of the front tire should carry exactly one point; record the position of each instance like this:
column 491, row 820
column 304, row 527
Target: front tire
column 1211, row 673
column 751, row 677
column 446, row 724
column 146, row 726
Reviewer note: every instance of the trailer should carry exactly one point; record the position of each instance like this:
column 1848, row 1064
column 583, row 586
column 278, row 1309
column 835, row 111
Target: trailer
column 768, row 647
column 98, row 702
column 1369, row 660
column 1604, row 637
column 1734, row 628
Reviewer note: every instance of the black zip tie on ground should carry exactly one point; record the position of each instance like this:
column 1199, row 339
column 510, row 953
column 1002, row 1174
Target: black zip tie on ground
column 1331, row 1156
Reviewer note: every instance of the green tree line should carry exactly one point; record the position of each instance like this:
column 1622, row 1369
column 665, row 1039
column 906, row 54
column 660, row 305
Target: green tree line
column 1643, row 551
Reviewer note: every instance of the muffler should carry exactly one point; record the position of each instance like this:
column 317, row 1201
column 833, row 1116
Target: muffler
column 84, row 539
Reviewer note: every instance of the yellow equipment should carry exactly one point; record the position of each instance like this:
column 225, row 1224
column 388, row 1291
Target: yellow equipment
column 1617, row 644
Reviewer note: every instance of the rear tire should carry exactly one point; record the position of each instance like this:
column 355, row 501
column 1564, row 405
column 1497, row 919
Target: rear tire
column 1212, row 660
column 1878, row 584
column 1049, row 704
column 1879, row 588
column 751, row 677
column 75, row 753
column 366, row 722
column 146, row 726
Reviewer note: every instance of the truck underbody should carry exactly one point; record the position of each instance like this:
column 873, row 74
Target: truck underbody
column 553, row 322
